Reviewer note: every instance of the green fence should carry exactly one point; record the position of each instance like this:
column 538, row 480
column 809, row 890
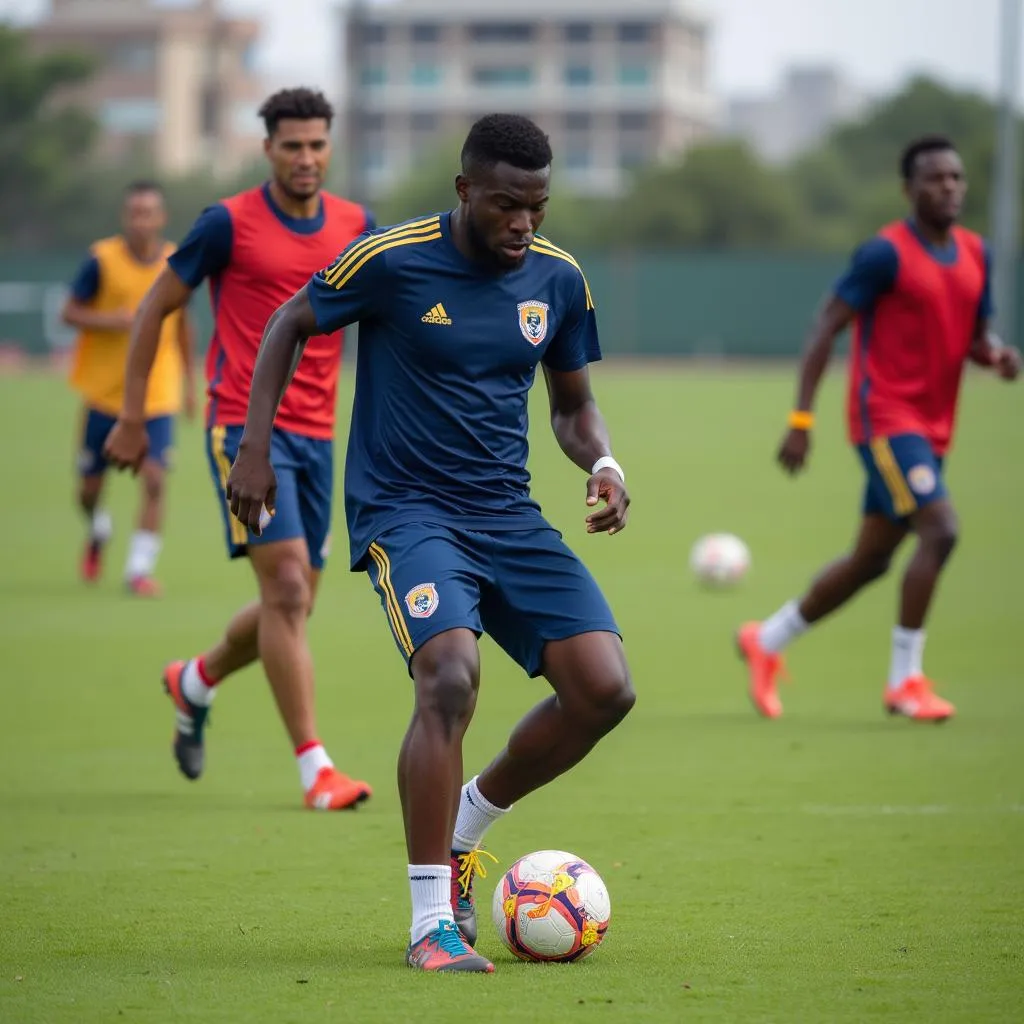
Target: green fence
column 647, row 303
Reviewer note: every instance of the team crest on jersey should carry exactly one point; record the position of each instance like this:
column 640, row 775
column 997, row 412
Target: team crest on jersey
column 921, row 479
column 533, row 320
column 422, row 601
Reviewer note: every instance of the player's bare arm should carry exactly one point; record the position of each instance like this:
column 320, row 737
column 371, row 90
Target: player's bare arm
column 127, row 444
column 583, row 436
column 835, row 316
column 82, row 316
column 251, row 483
column 187, row 347
column 989, row 351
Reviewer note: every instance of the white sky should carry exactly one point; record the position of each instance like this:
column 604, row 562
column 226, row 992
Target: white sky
column 877, row 43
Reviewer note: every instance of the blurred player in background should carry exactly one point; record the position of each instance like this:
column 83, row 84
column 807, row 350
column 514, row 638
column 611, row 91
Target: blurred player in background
column 105, row 293
column 918, row 294
column 257, row 248
column 457, row 311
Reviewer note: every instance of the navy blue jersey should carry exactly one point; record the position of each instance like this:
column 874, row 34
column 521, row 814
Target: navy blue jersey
column 448, row 351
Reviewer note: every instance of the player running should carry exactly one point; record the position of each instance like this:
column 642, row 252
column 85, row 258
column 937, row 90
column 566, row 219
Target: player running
column 918, row 294
column 105, row 293
column 456, row 312
column 256, row 249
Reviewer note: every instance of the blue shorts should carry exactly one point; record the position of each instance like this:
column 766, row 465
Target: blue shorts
column 521, row 587
column 304, row 467
column 97, row 427
column 904, row 474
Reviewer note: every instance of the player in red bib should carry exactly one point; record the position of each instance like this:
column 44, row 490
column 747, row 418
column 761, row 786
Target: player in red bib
column 258, row 248
column 918, row 295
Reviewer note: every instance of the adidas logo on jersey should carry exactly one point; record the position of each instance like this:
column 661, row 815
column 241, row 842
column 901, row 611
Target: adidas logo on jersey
column 437, row 315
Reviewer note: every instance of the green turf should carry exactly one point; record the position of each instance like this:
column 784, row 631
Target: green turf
column 831, row 866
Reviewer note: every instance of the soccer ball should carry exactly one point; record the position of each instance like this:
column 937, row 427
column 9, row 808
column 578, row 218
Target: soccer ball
column 551, row 906
column 720, row 559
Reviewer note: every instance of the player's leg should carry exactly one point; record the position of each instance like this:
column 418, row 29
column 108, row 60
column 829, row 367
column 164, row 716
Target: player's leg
column 547, row 612
column 435, row 625
column 145, row 543
column 909, row 692
column 882, row 529
column 91, row 475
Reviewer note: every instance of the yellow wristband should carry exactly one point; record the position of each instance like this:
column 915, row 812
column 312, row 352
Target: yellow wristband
column 801, row 419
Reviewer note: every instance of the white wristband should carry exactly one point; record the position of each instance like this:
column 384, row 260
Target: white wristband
column 606, row 461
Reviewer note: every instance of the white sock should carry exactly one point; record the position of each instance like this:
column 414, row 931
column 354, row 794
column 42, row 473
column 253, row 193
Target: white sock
column 142, row 554
column 101, row 528
column 197, row 690
column 476, row 815
column 907, row 655
column 312, row 759
column 431, row 889
column 782, row 628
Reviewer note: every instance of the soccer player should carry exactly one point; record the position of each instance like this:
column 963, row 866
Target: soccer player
column 918, row 295
column 103, row 298
column 256, row 249
column 456, row 311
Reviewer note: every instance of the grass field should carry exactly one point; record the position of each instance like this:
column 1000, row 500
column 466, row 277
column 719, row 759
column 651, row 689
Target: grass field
column 831, row 866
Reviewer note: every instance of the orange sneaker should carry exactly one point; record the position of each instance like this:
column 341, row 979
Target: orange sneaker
column 765, row 670
column 914, row 698
column 144, row 586
column 92, row 561
column 444, row 949
column 333, row 791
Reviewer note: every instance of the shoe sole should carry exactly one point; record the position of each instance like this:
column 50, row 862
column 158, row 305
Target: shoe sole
column 896, row 713
column 361, row 799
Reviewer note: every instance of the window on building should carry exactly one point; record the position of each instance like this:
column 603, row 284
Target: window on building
column 578, row 32
column 635, row 32
column 423, row 122
column 209, row 111
column 579, row 75
column 372, row 75
column 131, row 116
column 501, row 32
column 374, row 32
column 374, row 157
column 426, row 32
column 134, row 55
column 249, row 58
column 634, row 121
column 371, row 122
column 577, row 121
column 577, row 158
column 633, row 73
column 425, row 75
column 501, row 76
column 633, row 155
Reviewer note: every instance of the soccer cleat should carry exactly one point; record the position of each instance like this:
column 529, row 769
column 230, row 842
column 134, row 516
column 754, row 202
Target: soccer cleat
column 189, row 722
column 444, row 949
column 765, row 667
column 333, row 791
column 915, row 699
column 465, row 866
column 143, row 586
column 92, row 561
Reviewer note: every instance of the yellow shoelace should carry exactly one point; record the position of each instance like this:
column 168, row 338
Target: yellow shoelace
column 469, row 864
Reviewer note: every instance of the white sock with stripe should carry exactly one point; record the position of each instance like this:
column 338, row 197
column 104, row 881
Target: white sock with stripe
column 782, row 628
column 101, row 526
column 431, row 888
column 475, row 817
column 907, row 655
column 142, row 554
column 312, row 760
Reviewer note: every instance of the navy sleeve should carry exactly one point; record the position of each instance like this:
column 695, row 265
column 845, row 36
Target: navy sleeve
column 206, row 250
column 349, row 289
column 576, row 344
column 986, row 308
column 86, row 282
column 872, row 272
column 370, row 220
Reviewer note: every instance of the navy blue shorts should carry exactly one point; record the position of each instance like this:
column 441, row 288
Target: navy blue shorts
column 521, row 587
column 97, row 427
column 904, row 474
column 304, row 467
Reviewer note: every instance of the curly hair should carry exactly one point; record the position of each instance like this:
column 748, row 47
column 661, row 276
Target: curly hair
column 925, row 144
column 506, row 138
column 296, row 104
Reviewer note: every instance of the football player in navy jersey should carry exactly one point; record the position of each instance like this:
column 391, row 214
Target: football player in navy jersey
column 456, row 311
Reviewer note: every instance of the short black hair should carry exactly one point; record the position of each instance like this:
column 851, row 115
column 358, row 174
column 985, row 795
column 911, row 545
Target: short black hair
column 925, row 144
column 506, row 139
column 297, row 104
column 133, row 188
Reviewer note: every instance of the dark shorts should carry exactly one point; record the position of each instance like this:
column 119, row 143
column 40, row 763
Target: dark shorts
column 97, row 427
column 304, row 467
column 904, row 475
column 521, row 587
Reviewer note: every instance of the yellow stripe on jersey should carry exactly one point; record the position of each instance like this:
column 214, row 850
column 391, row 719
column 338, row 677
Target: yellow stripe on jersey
column 238, row 531
column 395, row 617
column 903, row 500
column 353, row 258
column 543, row 246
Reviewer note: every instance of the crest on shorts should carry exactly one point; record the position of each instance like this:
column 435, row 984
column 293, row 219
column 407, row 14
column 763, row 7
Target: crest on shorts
column 422, row 601
column 533, row 320
column 921, row 479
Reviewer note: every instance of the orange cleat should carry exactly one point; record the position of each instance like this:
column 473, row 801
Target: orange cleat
column 444, row 949
column 765, row 670
column 333, row 791
column 144, row 586
column 914, row 698
column 92, row 561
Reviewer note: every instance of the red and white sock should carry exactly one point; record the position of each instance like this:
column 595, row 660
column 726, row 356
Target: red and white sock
column 197, row 684
column 312, row 759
